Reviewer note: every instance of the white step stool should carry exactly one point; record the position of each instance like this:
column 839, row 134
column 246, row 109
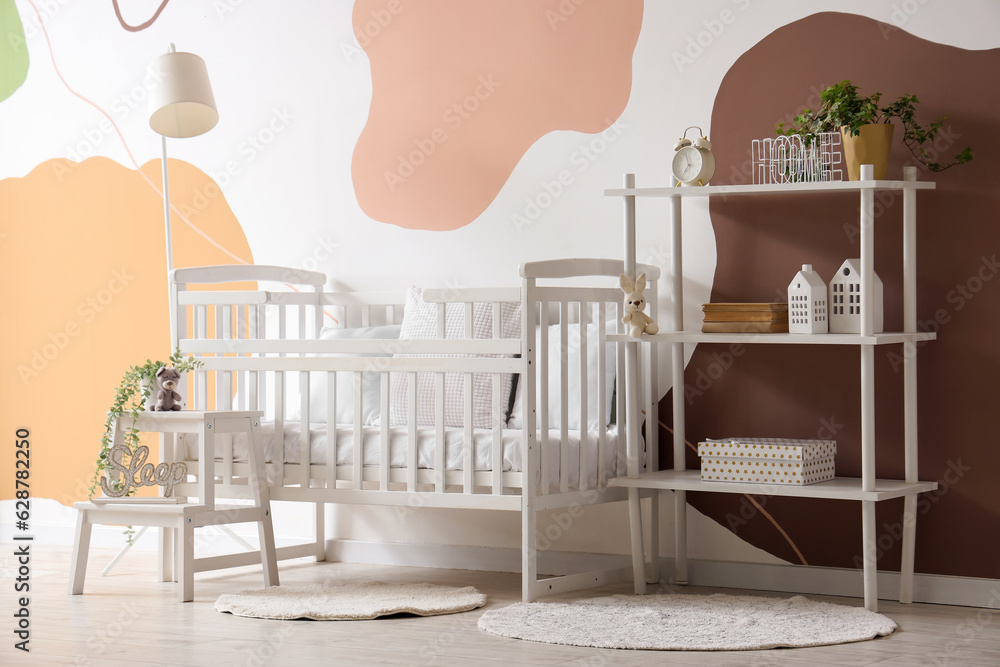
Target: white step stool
column 178, row 520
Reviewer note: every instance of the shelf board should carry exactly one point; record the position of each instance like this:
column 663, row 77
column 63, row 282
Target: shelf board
column 776, row 338
column 840, row 488
column 828, row 186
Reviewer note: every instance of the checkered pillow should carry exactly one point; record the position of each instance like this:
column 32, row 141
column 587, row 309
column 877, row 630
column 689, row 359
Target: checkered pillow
column 420, row 322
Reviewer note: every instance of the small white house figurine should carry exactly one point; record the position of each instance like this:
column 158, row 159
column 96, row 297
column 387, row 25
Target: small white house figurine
column 845, row 299
column 807, row 311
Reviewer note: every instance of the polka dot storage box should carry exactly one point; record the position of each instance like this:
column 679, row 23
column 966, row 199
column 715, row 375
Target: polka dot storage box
column 767, row 460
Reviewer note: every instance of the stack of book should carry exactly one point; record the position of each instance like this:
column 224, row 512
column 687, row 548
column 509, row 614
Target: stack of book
column 767, row 460
column 745, row 318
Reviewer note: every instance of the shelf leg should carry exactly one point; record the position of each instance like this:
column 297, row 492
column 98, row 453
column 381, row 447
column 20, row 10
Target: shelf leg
column 653, row 571
column 909, row 385
column 909, row 549
column 680, row 526
column 677, row 382
column 870, row 554
column 165, row 555
column 909, row 253
column 638, row 553
column 868, row 315
column 629, row 254
column 868, row 417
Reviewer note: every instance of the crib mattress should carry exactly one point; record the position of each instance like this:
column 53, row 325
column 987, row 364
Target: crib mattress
column 511, row 441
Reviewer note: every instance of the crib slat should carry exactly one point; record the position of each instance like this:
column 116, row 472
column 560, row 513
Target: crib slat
column 411, row 435
column 279, row 427
column 498, row 408
column 584, row 319
column 497, row 449
column 305, row 434
column 215, row 326
column 468, row 445
column 317, row 310
column 241, row 376
column 259, row 328
column 182, row 314
column 497, row 320
column 359, row 434
column 621, row 454
column 279, row 396
column 224, row 400
column 602, row 389
column 439, row 450
column 331, row 430
column 469, row 455
column 563, row 396
column 224, row 389
column 384, row 463
column 201, row 377
column 253, row 379
column 542, row 397
column 439, row 458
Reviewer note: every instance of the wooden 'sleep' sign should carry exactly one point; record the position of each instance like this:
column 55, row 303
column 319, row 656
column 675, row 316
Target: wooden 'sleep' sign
column 164, row 474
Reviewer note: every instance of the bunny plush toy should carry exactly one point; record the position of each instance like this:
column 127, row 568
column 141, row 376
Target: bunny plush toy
column 637, row 321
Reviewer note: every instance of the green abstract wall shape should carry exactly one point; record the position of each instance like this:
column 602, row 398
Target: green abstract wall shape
column 13, row 50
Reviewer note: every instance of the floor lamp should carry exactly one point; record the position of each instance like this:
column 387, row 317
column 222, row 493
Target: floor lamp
column 180, row 106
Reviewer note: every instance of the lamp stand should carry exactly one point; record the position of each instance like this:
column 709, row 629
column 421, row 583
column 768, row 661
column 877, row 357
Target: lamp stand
column 170, row 249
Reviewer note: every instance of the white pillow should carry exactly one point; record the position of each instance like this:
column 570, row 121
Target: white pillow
column 420, row 322
column 573, row 372
column 371, row 381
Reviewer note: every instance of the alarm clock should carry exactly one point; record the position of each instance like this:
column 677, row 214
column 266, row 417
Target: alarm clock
column 693, row 163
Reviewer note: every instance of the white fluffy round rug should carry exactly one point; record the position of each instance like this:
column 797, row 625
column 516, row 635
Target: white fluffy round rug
column 687, row 622
column 350, row 602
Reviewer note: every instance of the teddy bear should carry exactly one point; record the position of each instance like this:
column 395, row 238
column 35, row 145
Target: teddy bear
column 635, row 319
column 167, row 399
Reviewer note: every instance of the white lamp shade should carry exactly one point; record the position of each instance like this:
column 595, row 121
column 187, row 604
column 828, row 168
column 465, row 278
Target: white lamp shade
column 182, row 104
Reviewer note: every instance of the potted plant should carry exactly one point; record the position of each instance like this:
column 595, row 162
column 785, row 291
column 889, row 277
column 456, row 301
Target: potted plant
column 867, row 129
column 133, row 391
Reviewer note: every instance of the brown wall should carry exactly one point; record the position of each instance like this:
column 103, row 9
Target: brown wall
column 811, row 391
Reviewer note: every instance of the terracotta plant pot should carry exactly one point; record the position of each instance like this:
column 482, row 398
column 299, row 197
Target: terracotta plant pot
column 872, row 147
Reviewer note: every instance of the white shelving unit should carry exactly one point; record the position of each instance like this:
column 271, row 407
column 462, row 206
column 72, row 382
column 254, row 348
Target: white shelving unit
column 867, row 489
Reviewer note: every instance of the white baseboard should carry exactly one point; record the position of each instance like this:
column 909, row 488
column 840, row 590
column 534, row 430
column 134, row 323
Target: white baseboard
column 929, row 588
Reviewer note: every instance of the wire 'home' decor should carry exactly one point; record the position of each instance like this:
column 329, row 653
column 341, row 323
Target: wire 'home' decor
column 789, row 159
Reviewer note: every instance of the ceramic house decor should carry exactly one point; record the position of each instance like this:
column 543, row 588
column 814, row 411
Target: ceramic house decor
column 845, row 299
column 807, row 299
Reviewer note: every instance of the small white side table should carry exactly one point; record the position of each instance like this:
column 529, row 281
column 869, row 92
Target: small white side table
column 178, row 520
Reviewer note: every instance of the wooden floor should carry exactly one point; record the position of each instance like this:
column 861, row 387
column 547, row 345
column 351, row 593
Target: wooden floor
column 127, row 618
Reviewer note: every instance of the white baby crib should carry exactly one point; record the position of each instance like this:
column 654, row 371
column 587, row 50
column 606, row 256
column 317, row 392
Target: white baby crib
column 470, row 398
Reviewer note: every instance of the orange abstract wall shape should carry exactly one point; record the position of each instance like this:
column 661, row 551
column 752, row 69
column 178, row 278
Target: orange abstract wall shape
column 461, row 90
column 83, row 270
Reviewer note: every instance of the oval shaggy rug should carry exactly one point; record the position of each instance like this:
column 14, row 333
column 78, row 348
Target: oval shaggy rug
column 350, row 602
column 687, row 622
